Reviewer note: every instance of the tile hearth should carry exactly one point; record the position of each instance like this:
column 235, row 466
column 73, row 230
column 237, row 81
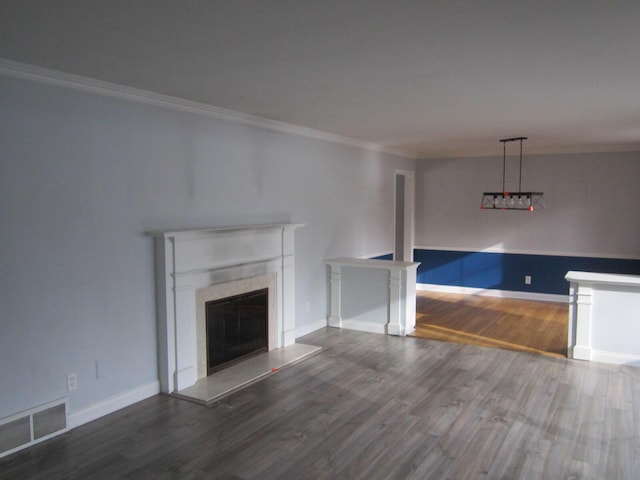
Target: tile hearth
column 213, row 387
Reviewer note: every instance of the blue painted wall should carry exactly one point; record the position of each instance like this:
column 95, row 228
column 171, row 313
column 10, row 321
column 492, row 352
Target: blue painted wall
column 388, row 256
column 506, row 271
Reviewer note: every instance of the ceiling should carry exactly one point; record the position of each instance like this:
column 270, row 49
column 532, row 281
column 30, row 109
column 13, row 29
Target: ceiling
column 429, row 78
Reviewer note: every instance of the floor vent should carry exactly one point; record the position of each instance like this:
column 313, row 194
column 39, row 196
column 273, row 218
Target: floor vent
column 32, row 426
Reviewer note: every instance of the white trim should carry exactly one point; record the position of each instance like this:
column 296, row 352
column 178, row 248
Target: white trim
column 361, row 326
column 528, row 252
column 390, row 265
column 487, row 292
column 112, row 404
column 587, row 354
column 312, row 327
column 579, row 352
column 615, row 358
column 192, row 233
column 78, row 82
column 591, row 279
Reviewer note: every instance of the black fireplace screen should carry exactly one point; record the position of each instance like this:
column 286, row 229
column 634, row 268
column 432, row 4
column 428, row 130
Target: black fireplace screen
column 236, row 328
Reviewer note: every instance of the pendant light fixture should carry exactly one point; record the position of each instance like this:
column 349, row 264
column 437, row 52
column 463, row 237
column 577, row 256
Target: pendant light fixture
column 511, row 200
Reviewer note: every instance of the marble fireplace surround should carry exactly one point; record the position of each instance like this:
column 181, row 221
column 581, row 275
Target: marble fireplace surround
column 194, row 266
column 228, row 289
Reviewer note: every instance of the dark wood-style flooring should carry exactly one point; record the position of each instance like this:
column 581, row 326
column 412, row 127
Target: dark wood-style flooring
column 522, row 325
column 372, row 406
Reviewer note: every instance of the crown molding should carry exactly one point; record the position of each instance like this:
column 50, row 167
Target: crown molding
column 86, row 84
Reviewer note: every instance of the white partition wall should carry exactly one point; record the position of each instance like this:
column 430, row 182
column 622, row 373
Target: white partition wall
column 604, row 317
column 373, row 295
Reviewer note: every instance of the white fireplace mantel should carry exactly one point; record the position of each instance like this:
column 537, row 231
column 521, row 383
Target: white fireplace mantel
column 190, row 262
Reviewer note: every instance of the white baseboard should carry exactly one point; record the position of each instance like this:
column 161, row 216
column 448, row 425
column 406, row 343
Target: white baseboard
column 312, row 327
column 540, row 297
column 615, row 358
column 579, row 352
column 363, row 326
column 111, row 404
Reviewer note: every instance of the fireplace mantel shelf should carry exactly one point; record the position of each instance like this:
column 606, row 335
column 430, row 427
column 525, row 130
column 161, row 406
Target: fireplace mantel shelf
column 203, row 232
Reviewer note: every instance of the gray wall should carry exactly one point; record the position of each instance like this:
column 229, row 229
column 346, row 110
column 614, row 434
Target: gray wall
column 83, row 176
column 591, row 204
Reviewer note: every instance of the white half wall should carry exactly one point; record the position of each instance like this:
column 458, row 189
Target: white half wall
column 604, row 317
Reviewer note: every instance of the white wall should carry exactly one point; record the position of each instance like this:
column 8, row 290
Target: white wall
column 83, row 176
column 591, row 204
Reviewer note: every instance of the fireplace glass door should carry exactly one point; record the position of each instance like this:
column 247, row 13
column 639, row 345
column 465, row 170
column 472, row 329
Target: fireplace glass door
column 236, row 328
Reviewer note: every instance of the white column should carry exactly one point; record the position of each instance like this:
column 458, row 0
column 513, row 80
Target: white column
column 165, row 305
column 410, row 299
column 396, row 317
column 186, row 372
column 335, row 320
column 288, row 288
column 573, row 319
column 582, row 348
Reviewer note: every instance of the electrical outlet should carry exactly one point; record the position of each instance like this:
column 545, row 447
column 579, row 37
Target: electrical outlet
column 72, row 381
column 527, row 279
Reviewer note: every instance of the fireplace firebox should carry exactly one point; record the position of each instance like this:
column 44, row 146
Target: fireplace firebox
column 236, row 328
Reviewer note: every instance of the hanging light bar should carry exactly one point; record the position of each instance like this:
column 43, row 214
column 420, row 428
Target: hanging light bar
column 511, row 200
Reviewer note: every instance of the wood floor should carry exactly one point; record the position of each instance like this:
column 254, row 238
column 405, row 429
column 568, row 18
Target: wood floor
column 372, row 406
column 521, row 325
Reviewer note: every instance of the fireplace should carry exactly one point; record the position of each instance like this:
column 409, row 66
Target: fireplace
column 236, row 328
column 194, row 267
column 232, row 289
